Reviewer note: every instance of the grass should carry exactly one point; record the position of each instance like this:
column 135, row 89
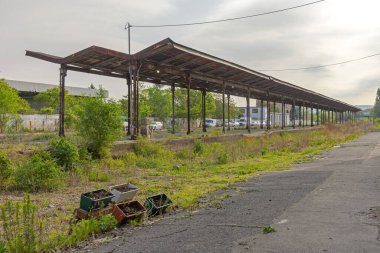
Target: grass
column 269, row 229
column 189, row 174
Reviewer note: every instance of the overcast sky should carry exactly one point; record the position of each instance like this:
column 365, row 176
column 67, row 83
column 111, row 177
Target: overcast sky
column 329, row 32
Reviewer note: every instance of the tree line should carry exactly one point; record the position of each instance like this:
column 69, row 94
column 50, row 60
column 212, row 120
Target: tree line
column 154, row 101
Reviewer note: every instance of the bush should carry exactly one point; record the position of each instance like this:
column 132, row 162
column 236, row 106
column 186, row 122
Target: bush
column 6, row 168
column 99, row 123
column 39, row 173
column 64, row 152
column 98, row 175
column 199, row 147
column 21, row 228
column 149, row 149
column 86, row 228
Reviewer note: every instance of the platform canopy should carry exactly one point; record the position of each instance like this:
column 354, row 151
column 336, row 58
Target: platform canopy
column 170, row 63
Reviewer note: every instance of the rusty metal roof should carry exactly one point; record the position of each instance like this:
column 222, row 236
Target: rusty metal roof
column 170, row 63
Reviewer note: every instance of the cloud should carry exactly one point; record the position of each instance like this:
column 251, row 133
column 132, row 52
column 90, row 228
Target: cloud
column 314, row 35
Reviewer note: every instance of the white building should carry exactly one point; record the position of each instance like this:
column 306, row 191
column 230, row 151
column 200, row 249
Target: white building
column 275, row 118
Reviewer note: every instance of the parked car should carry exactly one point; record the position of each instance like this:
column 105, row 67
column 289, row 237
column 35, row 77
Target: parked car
column 242, row 122
column 210, row 122
column 156, row 125
column 233, row 123
column 256, row 123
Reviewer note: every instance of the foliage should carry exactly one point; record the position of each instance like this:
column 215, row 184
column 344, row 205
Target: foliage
column 159, row 101
column 85, row 228
column 64, row 152
column 10, row 103
column 49, row 102
column 99, row 123
column 199, row 147
column 22, row 229
column 268, row 229
column 98, row 175
column 39, row 173
column 147, row 148
column 234, row 110
column 6, row 169
column 376, row 108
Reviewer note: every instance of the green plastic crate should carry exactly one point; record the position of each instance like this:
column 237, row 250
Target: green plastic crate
column 87, row 203
column 153, row 208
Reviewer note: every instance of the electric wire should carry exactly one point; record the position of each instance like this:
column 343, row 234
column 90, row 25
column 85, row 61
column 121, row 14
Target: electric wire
column 322, row 66
column 227, row 19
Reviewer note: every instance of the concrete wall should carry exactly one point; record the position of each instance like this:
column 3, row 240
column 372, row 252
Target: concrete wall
column 36, row 122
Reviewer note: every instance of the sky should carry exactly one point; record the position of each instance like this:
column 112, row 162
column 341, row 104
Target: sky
column 328, row 32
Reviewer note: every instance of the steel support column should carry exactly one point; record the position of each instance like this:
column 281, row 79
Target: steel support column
column 129, row 84
column 248, row 111
column 317, row 115
column 135, row 104
column 223, row 108
column 274, row 114
column 303, row 115
column 294, row 115
column 204, row 110
column 312, row 116
column 268, row 114
column 299, row 116
column 282, row 115
column 188, row 80
column 228, row 112
column 173, row 117
column 62, row 75
column 262, row 114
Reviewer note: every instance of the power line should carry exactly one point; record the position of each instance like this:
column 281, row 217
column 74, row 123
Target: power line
column 323, row 66
column 228, row 19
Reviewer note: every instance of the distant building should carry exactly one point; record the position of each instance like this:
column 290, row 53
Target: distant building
column 27, row 90
column 255, row 113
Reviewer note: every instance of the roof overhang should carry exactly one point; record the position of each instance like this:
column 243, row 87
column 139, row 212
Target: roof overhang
column 170, row 63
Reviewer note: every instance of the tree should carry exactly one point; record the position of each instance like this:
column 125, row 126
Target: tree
column 49, row 100
column 99, row 123
column 180, row 101
column 159, row 101
column 234, row 111
column 376, row 108
column 10, row 103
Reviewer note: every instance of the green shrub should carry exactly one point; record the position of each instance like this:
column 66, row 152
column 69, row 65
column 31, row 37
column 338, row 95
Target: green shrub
column 185, row 154
column 64, row 152
column 85, row 228
column 39, row 173
column 99, row 123
column 3, row 247
column 6, row 168
column 98, row 176
column 22, row 231
column 198, row 147
column 223, row 158
column 146, row 148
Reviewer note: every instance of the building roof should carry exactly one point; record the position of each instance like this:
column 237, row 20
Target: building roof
column 34, row 87
column 170, row 63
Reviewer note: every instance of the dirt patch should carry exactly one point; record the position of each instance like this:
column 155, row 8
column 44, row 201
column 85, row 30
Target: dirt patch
column 98, row 194
column 130, row 210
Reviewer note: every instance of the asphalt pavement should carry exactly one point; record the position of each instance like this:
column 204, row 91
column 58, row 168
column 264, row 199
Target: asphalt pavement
column 331, row 204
